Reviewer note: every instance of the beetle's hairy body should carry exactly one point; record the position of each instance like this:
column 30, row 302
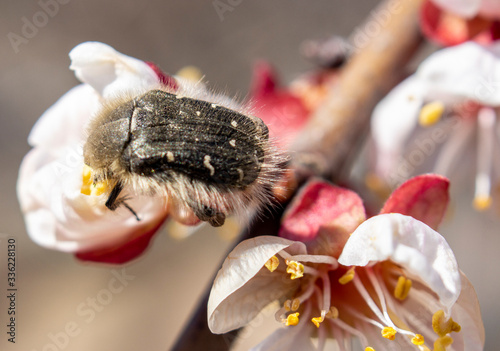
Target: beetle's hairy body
column 212, row 159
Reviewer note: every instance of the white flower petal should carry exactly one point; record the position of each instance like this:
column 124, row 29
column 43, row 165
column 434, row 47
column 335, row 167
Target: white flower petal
column 58, row 216
column 288, row 339
column 490, row 9
column 411, row 244
column 244, row 286
column 468, row 314
column 464, row 8
column 468, row 70
column 64, row 122
column 110, row 72
column 393, row 120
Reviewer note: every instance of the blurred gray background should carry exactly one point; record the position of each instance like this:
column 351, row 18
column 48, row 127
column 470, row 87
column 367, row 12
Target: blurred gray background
column 151, row 310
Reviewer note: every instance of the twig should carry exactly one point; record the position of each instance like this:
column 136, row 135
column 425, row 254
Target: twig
column 196, row 335
column 372, row 71
column 333, row 130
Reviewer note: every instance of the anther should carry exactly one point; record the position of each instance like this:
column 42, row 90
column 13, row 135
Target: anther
column 292, row 319
column 287, row 305
column 482, row 203
column 89, row 188
column 317, row 321
column 402, row 288
column 418, row 340
column 389, row 333
column 296, row 269
column 442, row 326
column 431, row 113
column 333, row 313
column 442, row 343
column 347, row 277
column 272, row 263
column 369, row 348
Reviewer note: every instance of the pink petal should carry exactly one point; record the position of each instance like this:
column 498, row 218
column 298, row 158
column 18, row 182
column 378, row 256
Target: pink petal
column 424, row 197
column 283, row 112
column 447, row 29
column 263, row 80
column 124, row 252
column 164, row 78
column 323, row 216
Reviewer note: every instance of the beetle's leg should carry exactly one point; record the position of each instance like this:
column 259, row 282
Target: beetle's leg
column 114, row 202
column 210, row 215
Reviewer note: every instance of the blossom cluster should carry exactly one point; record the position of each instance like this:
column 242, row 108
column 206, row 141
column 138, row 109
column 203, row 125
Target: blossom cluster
column 391, row 281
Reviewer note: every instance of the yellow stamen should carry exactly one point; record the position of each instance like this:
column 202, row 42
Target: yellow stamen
column 418, row 340
column 86, row 180
column 292, row 319
column 295, row 304
column 89, row 188
column 377, row 185
column 369, row 349
column 272, row 263
column 482, row 203
column 431, row 113
column 291, row 305
column 296, row 269
column 191, row 73
column 317, row 321
column 442, row 343
column 347, row 277
column 402, row 288
column 99, row 188
column 389, row 333
column 333, row 313
column 442, row 326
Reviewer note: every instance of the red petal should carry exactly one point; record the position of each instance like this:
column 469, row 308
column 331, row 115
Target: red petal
column 323, row 216
column 123, row 252
column 164, row 78
column 448, row 29
column 283, row 112
column 424, row 197
column 263, row 80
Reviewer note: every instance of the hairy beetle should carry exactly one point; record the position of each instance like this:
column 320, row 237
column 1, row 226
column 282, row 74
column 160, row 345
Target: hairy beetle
column 208, row 158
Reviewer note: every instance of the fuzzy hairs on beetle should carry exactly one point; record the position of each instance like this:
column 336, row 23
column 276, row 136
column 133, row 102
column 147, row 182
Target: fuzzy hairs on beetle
column 201, row 150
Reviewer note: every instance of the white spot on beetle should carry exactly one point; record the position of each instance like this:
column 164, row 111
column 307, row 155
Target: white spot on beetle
column 256, row 159
column 198, row 113
column 234, row 123
column 214, row 105
column 170, row 156
column 240, row 172
column 133, row 122
column 232, row 142
column 206, row 163
column 179, row 96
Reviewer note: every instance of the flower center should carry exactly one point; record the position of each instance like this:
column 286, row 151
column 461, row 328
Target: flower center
column 361, row 295
column 91, row 188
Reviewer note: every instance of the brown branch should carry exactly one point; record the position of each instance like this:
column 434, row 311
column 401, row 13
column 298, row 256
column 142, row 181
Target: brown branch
column 333, row 130
column 371, row 72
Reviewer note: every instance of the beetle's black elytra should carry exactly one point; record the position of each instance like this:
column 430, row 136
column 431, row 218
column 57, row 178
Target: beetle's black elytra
column 211, row 158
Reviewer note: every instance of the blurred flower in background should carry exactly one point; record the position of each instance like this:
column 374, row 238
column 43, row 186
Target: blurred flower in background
column 343, row 276
column 63, row 210
column 431, row 120
column 451, row 22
